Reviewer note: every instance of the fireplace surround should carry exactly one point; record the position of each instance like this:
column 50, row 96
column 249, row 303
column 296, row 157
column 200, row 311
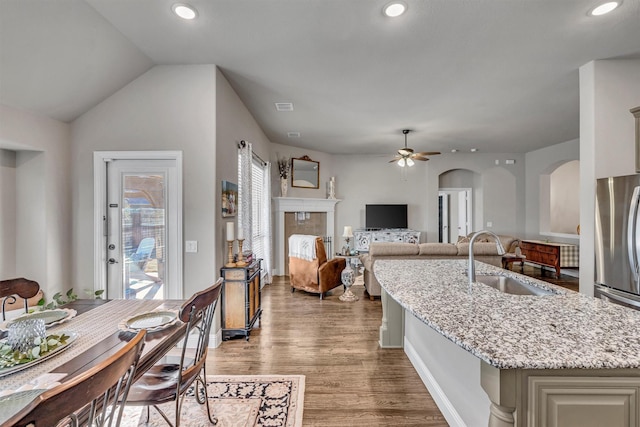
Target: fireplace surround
column 281, row 205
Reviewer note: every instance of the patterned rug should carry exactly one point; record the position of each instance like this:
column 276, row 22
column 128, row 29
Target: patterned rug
column 236, row 401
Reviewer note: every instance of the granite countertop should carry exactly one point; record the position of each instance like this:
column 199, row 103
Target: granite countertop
column 559, row 331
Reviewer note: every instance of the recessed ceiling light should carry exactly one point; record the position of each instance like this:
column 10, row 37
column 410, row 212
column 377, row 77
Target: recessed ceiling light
column 394, row 9
column 184, row 11
column 473, row 150
column 604, row 8
column 454, row 150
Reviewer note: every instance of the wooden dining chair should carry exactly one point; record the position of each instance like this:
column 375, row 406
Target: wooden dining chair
column 93, row 398
column 169, row 382
column 24, row 288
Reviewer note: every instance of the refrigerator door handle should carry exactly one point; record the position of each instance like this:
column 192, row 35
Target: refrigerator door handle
column 606, row 294
column 631, row 235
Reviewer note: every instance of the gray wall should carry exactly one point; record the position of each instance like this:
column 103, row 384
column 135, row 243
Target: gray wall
column 327, row 170
column 540, row 163
column 565, row 198
column 365, row 179
column 167, row 108
column 498, row 190
column 234, row 124
column 42, row 199
column 8, row 202
column 608, row 90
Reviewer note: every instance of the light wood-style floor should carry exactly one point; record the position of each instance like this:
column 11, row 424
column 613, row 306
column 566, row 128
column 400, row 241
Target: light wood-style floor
column 350, row 380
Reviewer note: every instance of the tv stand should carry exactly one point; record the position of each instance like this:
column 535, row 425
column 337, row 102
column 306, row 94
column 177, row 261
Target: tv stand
column 364, row 237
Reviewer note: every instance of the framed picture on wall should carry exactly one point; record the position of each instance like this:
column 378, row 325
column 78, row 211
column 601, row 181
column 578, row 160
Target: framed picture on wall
column 229, row 199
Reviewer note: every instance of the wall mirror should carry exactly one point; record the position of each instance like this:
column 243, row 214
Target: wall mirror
column 305, row 173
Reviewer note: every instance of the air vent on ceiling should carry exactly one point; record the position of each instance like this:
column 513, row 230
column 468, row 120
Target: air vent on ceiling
column 293, row 134
column 284, row 106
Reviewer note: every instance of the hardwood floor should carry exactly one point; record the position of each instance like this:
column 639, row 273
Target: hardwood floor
column 350, row 380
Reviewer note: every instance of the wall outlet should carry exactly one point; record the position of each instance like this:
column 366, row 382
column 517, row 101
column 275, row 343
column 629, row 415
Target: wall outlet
column 489, row 224
column 191, row 246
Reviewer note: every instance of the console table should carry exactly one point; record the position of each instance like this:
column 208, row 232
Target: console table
column 241, row 299
column 363, row 238
column 550, row 254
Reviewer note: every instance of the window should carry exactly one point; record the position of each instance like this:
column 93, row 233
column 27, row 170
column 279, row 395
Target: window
column 259, row 204
column 254, row 215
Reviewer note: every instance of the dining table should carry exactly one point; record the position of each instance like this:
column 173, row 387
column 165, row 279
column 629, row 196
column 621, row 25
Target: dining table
column 99, row 328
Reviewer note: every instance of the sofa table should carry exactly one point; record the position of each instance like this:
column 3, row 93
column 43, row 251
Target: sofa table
column 241, row 299
column 550, row 254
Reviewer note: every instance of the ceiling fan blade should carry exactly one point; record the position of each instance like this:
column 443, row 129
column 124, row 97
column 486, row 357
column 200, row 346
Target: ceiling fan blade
column 394, row 160
column 428, row 153
column 416, row 157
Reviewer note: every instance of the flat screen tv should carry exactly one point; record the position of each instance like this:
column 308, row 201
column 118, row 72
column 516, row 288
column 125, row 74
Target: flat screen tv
column 386, row 216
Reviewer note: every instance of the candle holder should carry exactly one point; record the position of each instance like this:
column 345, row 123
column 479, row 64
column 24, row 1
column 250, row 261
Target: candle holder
column 230, row 262
column 241, row 262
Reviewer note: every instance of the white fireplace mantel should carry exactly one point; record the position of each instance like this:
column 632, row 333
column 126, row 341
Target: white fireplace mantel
column 298, row 204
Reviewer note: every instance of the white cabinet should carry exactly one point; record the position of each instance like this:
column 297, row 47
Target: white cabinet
column 363, row 238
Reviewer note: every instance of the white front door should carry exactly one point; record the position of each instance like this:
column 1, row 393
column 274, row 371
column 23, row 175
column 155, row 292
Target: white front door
column 142, row 222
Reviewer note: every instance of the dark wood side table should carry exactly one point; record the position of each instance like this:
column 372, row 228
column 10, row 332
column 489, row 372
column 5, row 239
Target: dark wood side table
column 508, row 259
column 241, row 299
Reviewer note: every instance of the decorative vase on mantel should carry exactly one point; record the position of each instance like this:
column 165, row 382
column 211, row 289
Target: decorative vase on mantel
column 284, row 187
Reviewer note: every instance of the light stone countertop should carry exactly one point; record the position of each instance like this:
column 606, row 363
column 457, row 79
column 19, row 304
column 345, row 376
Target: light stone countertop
column 565, row 330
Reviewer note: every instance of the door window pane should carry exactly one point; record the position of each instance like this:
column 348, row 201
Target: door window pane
column 143, row 235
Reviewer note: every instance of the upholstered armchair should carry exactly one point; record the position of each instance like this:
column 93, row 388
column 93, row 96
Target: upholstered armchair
column 309, row 269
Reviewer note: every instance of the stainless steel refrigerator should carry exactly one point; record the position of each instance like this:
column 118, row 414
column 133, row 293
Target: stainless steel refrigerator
column 617, row 240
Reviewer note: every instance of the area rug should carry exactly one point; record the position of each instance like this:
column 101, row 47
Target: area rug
column 236, row 401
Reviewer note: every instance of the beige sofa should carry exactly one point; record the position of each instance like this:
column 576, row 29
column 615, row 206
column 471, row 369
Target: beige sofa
column 485, row 250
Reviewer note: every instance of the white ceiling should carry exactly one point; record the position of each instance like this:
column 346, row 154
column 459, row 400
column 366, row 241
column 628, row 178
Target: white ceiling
column 498, row 75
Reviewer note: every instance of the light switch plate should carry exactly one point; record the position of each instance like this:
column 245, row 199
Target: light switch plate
column 191, row 246
column 489, row 224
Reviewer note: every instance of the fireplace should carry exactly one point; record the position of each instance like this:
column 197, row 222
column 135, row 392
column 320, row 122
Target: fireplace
column 295, row 215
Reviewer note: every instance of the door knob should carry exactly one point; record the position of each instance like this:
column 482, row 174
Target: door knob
column 112, row 261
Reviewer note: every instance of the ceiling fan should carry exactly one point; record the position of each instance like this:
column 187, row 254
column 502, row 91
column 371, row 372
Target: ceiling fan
column 406, row 156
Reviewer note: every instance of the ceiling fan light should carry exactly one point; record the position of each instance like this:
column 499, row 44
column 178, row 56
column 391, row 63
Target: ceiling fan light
column 410, row 162
column 401, row 163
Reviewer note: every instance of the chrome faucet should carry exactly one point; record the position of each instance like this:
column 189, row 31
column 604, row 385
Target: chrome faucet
column 472, row 267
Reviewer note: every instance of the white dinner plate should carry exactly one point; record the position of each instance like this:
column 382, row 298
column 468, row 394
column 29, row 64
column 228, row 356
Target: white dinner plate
column 50, row 316
column 151, row 320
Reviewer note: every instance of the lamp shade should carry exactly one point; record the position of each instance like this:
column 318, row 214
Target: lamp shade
column 348, row 232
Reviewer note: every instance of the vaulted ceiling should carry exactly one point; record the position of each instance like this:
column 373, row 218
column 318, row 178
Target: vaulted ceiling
column 496, row 75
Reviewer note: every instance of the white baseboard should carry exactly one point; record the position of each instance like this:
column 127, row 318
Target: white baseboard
column 445, row 406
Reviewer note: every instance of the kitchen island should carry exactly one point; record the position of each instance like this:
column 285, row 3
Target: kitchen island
column 490, row 358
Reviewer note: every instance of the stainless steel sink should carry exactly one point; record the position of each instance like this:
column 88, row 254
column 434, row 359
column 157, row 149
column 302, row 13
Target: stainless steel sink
column 509, row 285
